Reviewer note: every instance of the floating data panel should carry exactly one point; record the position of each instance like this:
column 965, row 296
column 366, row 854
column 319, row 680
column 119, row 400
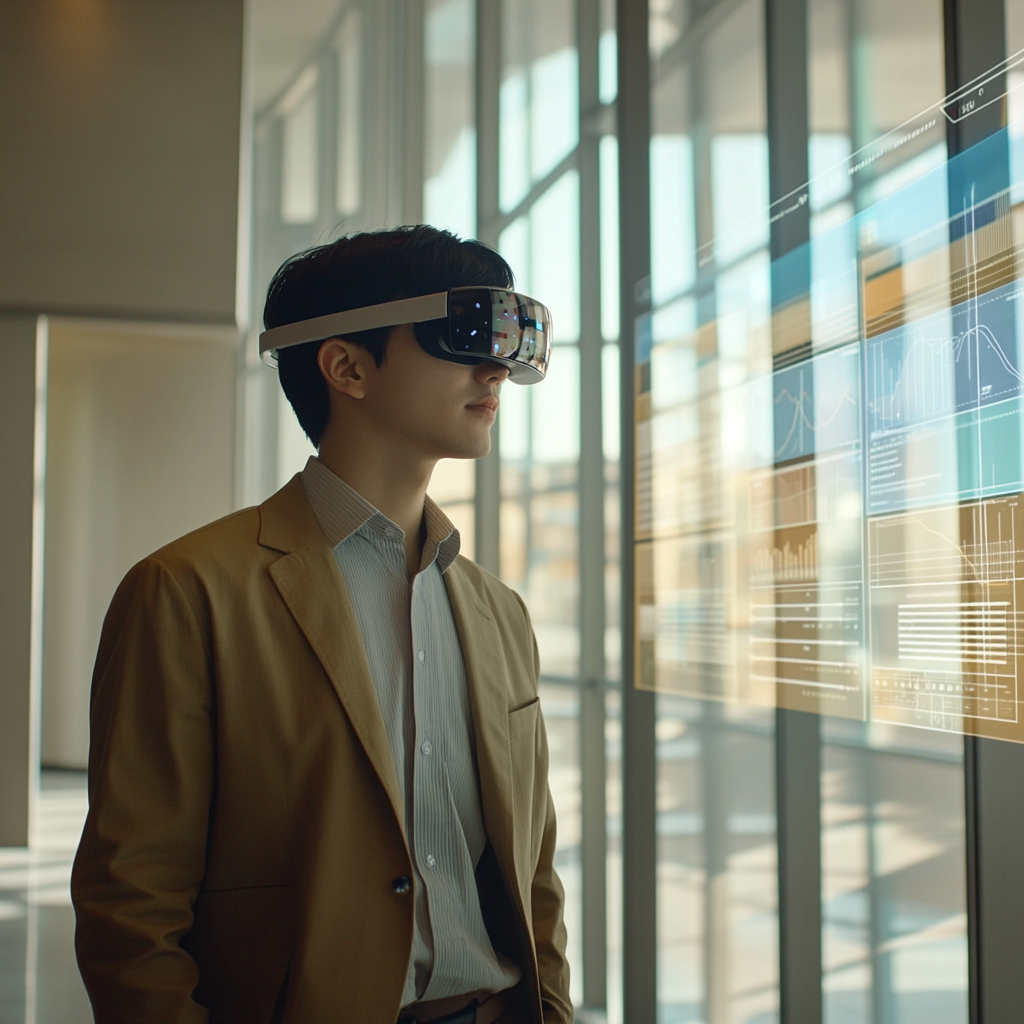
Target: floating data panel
column 830, row 446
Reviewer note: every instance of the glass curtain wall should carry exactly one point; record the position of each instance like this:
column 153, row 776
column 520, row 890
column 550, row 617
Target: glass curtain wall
column 826, row 456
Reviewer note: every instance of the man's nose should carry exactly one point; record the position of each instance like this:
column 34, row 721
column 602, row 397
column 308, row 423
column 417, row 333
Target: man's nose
column 489, row 372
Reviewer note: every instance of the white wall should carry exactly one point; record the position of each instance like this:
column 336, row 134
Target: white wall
column 119, row 162
column 140, row 443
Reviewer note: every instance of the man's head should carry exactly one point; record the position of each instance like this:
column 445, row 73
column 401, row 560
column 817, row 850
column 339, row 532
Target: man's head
column 443, row 406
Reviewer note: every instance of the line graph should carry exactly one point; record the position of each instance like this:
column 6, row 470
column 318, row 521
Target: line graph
column 801, row 407
column 915, row 375
column 944, row 393
column 921, row 553
column 824, row 490
column 817, row 404
column 952, row 360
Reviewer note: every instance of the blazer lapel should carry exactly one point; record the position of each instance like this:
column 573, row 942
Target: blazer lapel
column 481, row 647
column 311, row 584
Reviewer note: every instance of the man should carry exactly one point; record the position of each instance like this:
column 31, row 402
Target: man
column 318, row 772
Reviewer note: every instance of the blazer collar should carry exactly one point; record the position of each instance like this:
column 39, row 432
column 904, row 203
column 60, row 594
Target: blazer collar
column 311, row 585
column 287, row 521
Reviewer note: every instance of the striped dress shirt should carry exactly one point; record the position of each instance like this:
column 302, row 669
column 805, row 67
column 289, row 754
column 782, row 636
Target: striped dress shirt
column 418, row 673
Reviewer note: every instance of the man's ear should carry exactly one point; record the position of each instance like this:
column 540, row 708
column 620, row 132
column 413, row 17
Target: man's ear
column 344, row 367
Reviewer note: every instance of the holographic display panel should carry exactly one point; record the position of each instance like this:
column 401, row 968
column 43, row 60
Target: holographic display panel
column 830, row 447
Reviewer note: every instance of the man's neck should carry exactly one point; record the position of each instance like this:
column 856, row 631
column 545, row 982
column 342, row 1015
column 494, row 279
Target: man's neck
column 390, row 481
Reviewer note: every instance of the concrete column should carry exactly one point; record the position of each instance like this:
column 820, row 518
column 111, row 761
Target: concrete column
column 22, row 444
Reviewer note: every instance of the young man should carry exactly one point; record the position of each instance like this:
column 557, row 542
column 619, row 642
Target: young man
column 318, row 773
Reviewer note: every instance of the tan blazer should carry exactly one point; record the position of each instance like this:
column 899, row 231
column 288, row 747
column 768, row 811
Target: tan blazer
column 245, row 828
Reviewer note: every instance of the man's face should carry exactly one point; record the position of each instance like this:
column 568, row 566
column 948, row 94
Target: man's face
column 439, row 409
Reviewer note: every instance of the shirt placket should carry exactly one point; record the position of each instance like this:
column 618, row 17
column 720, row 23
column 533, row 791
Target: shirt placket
column 428, row 768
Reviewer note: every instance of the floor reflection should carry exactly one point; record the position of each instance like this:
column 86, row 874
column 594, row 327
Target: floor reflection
column 39, row 980
column 893, row 876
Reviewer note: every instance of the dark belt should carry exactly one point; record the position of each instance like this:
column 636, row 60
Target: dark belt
column 476, row 1013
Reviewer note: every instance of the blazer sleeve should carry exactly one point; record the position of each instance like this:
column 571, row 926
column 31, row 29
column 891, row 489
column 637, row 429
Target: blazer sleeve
column 142, row 854
column 547, row 894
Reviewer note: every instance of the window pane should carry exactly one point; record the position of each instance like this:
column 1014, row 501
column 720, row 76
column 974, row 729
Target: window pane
column 613, row 806
column 350, row 114
column 608, row 55
column 716, row 863
column 554, row 254
column 453, row 481
column 612, row 584
column 300, row 151
column 293, row 447
column 608, row 156
column 561, row 707
column 893, row 900
column 542, row 248
column 673, row 231
column 449, row 196
column 539, row 93
column 556, row 414
column 552, row 588
column 717, row 875
column 453, row 486
column 893, row 891
column 871, row 67
column 539, row 513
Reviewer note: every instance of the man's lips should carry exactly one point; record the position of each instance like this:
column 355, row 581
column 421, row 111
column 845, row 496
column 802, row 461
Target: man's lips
column 488, row 404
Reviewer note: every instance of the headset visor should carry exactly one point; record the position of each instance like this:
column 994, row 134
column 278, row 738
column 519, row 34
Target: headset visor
column 473, row 323
column 508, row 327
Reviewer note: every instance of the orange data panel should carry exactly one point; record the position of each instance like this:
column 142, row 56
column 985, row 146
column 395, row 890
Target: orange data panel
column 946, row 595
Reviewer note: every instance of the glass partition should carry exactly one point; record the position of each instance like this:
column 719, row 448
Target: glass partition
column 449, row 190
column 828, row 491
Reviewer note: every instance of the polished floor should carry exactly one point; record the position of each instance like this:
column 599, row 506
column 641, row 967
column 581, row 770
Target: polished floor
column 39, row 981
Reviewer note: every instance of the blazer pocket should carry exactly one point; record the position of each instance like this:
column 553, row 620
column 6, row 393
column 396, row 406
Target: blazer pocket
column 524, row 719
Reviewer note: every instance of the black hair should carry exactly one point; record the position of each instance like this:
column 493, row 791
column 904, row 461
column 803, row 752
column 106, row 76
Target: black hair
column 365, row 269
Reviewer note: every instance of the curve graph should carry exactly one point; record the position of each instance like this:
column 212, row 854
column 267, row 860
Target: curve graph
column 924, row 371
column 817, row 405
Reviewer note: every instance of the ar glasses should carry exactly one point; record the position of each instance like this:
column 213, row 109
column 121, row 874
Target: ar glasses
column 461, row 325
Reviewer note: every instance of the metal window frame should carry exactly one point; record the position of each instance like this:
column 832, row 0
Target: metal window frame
column 975, row 33
column 638, row 708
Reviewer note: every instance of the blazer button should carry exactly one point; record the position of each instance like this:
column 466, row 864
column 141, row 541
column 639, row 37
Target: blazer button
column 402, row 885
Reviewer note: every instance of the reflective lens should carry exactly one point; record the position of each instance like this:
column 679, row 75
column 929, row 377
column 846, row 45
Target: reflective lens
column 497, row 324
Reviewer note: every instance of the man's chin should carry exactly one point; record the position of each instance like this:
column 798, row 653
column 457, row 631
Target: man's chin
column 469, row 448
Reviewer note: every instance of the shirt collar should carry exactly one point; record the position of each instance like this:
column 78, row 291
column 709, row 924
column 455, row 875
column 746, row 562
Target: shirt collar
column 342, row 511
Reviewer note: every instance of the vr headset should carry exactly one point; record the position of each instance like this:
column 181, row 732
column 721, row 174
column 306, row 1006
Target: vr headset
column 461, row 325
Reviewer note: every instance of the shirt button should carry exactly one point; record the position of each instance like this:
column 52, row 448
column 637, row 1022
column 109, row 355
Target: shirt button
column 421, row 655
column 431, row 861
column 426, row 748
column 402, row 885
